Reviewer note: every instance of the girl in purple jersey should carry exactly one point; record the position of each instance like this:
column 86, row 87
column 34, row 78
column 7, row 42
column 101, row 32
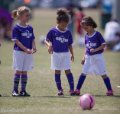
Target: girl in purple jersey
column 59, row 41
column 93, row 61
column 24, row 47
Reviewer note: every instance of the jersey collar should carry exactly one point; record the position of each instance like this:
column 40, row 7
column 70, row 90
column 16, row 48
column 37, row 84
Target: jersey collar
column 61, row 30
column 22, row 26
column 91, row 35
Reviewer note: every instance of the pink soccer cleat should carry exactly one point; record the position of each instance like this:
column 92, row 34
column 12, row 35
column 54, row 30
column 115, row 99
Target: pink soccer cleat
column 77, row 92
column 110, row 93
column 72, row 92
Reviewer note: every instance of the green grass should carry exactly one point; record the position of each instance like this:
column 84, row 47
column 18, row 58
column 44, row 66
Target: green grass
column 41, row 84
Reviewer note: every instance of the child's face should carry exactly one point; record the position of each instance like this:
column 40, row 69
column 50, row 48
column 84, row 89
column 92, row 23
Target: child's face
column 87, row 28
column 63, row 24
column 25, row 17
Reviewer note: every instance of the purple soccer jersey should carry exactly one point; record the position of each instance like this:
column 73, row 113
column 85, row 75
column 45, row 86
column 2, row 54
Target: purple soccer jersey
column 24, row 34
column 61, row 40
column 94, row 42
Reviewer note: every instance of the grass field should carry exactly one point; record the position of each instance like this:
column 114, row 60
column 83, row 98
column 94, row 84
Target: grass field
column 41, row 84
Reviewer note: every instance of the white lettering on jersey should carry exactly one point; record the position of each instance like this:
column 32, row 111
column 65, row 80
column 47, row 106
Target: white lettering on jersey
column 90, row 45
column 27, row 34
column 62, row 39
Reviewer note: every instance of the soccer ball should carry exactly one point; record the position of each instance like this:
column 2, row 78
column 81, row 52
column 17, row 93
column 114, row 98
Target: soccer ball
column 86, row 102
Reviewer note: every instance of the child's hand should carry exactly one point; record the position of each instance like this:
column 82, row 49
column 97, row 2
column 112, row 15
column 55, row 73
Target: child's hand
column 92, row 50
column 28, row 51
column 50, row 49
column 34, row 50
column 83, row 61
column 72, row 58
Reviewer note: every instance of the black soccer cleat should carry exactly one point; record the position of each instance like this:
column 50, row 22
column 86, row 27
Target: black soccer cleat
column 60, row 93
column 24, row 94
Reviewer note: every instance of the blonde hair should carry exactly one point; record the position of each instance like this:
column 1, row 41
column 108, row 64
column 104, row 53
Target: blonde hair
column 20, row 11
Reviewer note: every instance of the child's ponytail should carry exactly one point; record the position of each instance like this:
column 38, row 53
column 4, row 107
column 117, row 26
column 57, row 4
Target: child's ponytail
column 15, row 14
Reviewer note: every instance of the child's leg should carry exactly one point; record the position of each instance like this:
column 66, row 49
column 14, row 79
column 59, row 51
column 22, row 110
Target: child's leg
column 23, row 84
column 16, row 81
column 58, row 79
column 107, row 82
column 70, row 79
column 81, row 81
column 24, row 79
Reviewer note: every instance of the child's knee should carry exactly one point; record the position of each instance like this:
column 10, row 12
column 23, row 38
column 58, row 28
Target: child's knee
column 24, row 72
column 104, row 76
column 83, row 74
column 18, row 72
column 67, row 71
column 57, row 72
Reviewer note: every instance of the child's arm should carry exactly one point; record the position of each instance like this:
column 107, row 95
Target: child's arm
column 99, row 48
column 28, row 51
column 34, row 46
column 83, row 59
column 0, row 42
column 72, row 53
column 49, row 45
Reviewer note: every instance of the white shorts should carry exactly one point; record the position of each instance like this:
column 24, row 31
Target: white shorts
column 22, row 61
column 60, row 61
column 94, row 65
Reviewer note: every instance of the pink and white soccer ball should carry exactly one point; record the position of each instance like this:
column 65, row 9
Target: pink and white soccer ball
column 86, row 101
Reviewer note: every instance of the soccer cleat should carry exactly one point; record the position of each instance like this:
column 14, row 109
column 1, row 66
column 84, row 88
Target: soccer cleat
column 60, row 93
column 110, row 93
column 15, row 94
column 77, row 92
column 72, row 92
column 0, row 95
column 24, row 94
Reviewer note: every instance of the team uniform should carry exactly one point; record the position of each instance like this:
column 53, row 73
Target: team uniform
column 61, row 40
column 60, row 59
column 21, row 60
column 94, row 62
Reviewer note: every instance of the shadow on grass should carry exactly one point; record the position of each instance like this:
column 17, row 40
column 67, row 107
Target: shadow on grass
column 7, row 96
column 65, row 96
column 51, row 96
column 116, row 96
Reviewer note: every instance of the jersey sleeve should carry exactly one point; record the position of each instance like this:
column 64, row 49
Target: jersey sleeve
column 70, row 39
column 15, row 34
column 101, row 39
column 49, row 36
column 33, row 36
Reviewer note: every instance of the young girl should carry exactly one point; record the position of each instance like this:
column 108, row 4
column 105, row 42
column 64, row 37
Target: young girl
column 24, row 47
column 59, row 41
column 93, row 61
